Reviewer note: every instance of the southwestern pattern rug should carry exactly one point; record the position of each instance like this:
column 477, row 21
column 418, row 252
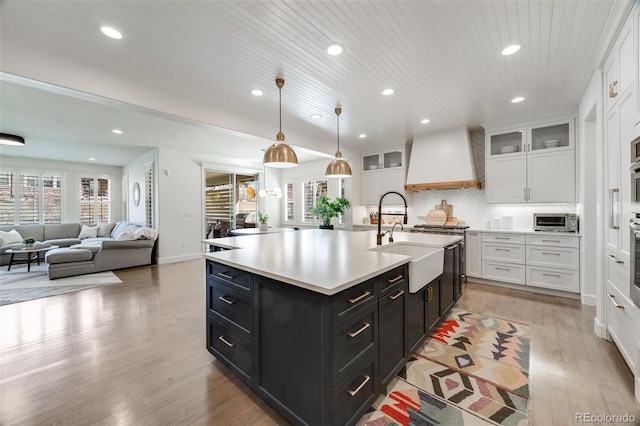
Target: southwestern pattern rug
column 473, row 370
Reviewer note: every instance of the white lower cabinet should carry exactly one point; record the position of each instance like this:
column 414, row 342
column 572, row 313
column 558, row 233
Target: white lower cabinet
column 536, row 260
column 622, row 317
column 473, row 254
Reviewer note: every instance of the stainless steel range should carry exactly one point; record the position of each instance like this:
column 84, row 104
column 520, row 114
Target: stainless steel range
column 448, row 230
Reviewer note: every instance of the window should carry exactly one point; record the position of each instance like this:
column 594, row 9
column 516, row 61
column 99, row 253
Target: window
column 288, row 203
column 341, row 191
column 148, row 199
column 312, row 190
column 32, row 199
column 52, row 199
column 95, row 200
column 7, row 199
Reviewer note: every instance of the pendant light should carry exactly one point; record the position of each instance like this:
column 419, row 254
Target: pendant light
column 280, row 154
column 338, row 168
column 7, row 139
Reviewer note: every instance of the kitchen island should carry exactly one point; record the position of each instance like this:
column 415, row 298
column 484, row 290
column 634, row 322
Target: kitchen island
column 313, row 321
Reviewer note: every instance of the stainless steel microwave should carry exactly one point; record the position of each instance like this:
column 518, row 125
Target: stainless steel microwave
column 635, row 150
column 555, row 222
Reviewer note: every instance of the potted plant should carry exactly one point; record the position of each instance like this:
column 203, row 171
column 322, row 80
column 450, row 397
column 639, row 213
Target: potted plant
column 327, row 210
column 263, row 219
column 29, row 241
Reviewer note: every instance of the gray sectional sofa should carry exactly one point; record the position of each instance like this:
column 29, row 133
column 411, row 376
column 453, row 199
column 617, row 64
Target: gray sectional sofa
column 115, row 246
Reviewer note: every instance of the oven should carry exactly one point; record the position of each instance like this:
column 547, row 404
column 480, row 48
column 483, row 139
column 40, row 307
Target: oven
column 635, row 259
column 635, row 150
column 635, row 185
column 449, row 230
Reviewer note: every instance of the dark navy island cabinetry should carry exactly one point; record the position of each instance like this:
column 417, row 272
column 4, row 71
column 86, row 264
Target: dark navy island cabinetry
column 317, row 359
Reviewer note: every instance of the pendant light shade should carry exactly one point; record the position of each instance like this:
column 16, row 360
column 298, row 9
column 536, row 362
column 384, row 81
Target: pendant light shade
column 338, row 168
column 280, row 154
column 7, row 139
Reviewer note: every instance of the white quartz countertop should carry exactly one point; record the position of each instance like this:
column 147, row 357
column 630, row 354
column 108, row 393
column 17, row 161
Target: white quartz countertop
column 324, row 261
column 524, row 231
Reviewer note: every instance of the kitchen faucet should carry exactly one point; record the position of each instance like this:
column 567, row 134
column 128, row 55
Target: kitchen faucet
column 391, row 233
column 380, row 234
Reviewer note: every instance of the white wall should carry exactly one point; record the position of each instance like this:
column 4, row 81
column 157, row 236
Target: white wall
column 70, row 174
column 590, row 190
column 135, row 173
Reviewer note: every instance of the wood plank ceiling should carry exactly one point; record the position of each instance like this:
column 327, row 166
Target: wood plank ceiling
column 199, row 60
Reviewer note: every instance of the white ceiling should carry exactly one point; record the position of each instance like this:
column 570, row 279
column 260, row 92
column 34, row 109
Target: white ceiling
column 182, row 75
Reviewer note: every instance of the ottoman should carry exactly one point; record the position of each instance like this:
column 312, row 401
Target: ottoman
column 64, row 262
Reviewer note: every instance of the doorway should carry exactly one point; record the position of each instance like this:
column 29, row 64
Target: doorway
column 230, row 202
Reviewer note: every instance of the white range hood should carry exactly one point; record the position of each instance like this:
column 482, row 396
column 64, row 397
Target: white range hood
column 442, row 160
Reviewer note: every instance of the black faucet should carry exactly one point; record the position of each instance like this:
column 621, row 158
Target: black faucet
column 405, row 220
column 392, row 228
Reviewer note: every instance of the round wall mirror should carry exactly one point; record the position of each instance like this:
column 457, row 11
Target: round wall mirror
column 136, row 194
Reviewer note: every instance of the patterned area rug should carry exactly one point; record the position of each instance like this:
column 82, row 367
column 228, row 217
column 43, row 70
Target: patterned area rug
column 18, row 285
column 473, row 370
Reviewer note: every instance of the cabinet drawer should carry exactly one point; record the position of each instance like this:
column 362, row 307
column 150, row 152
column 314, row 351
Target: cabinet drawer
column 228, row 346
column 390, row 281
column 503, row 252
column 353, row 341
column 355, row 394
column 231, row 304
column 503, row 238
column 556, row 279
column 509, row 272
column 556, row 257
column 622, row 315
column 352, row 300
column 552, row 240
column 234, row 276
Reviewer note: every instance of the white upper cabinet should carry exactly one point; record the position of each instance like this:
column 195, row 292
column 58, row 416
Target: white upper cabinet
column 531, row 164
column 382, row 172
column 619, row 69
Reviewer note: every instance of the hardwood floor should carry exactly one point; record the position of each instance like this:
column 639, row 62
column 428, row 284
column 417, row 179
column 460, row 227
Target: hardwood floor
column 134, row 354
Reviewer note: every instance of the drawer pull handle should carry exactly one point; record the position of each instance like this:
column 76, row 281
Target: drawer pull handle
column 227, row 276
column 394, row 279
column 429, row 294
column 395, row 296
column 614, row 259
column 551, row 254
column 226, row 342
column 499, row 249
column 551, row 241
column 550, row 275
column 503, row 269
column 502, row 238
column 613, row 300
column 356, row 390
column 363, row 328
column 227, row 301
column 359, row 298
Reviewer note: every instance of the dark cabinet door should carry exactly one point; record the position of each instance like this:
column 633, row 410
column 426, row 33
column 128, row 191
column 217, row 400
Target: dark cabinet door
column 392, row 343
column 447, row 289
column 416, row 319
column 433, row 303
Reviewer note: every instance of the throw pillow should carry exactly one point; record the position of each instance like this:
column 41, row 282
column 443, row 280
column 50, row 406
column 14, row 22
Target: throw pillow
column 104, row 228
column 88, row 232
column 125, row 236
column 10, row 237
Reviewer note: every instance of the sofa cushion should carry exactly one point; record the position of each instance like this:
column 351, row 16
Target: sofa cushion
column 36, row 231
column 88, row 232
column 104, row 229
column 57, row 231
column 66, row 255
column 64, row 242
column 93, row 248
column 10, row 237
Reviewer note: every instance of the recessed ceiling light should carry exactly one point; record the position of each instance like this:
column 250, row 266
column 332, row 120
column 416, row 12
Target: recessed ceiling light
column 111, row 32
column 117, row 131
column 335, row 49
column 92, row 159
column 387, row 92
column 510, row 50
column 425, row 121
column 517, row 99
column 257, row 92
column 316, row 116
column 362, row 135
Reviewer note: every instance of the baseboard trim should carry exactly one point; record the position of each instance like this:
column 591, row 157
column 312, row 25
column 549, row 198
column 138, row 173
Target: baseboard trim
column 600, row 329
column 589, row 299
column 176, row 259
